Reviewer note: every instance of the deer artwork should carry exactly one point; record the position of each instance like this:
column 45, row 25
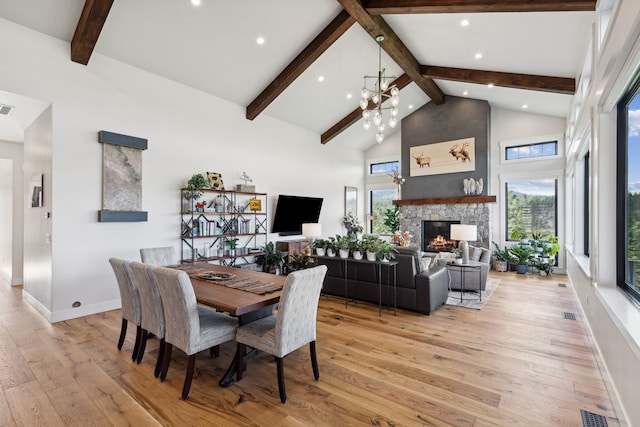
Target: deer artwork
column 461, row 152
column 421, row 160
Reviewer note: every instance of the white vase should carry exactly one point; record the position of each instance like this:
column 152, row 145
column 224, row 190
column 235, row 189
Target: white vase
column 371, row 256
column 331, row 252
column 321, row 251
column 343, row 253
column 357, row 255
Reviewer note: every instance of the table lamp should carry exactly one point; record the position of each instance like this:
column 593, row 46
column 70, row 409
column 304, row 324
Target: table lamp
column 462, row 233
column 311, row 230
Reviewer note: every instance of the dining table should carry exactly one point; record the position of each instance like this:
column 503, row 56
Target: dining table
column 245, row 294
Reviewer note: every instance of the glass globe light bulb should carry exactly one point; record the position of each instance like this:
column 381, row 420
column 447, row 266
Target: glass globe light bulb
column 381, row 127
column 384, row 85
column 394, row 111
column 367, row 124
column 376, row 99
column 377, row 118
column 365, row 114
column 394, row 91
column 364, row 104
column 393, row 122
column 395, row 100
column 364, row 93
column 379, row 137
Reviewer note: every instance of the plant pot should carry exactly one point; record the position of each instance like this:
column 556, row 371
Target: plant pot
column 331, row 252
column 543, row 273
column 321, row 251
column 357, row 255
column 384, row 259
column 500, row 265
column 371, row 256
column 343, row 253
column 522, row 268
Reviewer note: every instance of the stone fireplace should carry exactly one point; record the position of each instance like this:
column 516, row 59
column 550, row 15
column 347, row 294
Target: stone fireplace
column 436, row 236
column 446, row 210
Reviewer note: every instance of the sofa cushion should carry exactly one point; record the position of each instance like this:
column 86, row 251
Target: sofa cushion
column 415, row 253
column 476, row 254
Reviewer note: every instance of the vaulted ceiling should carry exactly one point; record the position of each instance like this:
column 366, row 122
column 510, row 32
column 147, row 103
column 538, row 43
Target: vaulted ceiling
column 509, row 52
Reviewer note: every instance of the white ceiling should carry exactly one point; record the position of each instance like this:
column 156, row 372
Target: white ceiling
column 213, row 48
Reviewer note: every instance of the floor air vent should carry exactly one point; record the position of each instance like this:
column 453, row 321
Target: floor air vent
column 589, row 419
column 569, row 316
column 562, row 285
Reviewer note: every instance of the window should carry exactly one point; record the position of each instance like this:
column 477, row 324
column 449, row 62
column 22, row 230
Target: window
column 528, row 151
column 381, row 205
column 531, row 208
column 628, row 192
column 585, row 209
column 384, row 167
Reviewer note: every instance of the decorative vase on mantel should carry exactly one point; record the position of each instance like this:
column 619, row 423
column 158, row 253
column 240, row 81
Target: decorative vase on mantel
column 399, row 191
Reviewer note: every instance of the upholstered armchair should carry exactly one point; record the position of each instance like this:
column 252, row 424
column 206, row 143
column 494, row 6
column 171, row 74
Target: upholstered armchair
column 471, row 280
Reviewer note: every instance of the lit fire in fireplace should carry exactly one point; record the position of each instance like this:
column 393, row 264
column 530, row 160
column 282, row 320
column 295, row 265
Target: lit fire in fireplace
column 440, row 243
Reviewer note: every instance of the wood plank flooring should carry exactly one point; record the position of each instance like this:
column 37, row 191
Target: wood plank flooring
column 516, row 362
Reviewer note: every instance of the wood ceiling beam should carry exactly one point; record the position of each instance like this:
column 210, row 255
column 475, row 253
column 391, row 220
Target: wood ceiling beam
column 379, row 7
column 309, row 54
column 395, row 48
column 401, row 82
column 94, row 15
column 561, row 85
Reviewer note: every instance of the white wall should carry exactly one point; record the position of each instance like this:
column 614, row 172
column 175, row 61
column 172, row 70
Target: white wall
column 11, row 211
column 188, row 132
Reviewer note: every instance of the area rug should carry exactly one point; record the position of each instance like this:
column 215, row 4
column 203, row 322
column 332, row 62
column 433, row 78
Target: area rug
column 470, row 299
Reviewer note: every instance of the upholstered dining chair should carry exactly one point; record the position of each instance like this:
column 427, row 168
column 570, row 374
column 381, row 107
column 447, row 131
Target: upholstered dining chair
column 130, row 300
column 292, row 327
column 152, row 321
column 162, row 256
column 187, row 326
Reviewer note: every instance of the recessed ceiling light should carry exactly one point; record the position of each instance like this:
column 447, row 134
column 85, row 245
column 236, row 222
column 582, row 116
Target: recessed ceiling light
column 349, row 96
column 525, row 106
column 464, row 23
column 320, row 78
column 490, row 85
column 410, row 106
column 196, row 2
column 478, row 55
column 465, row 93
column 260, row 40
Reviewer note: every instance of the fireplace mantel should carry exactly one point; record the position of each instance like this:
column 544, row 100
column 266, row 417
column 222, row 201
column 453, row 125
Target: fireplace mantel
column 446, row 200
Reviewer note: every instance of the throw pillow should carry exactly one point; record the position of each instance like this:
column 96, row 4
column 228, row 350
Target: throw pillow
column 426, row 263
column 434, row 260
column 477, row 253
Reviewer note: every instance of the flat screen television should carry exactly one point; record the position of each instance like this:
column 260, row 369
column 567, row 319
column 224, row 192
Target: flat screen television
column 293, row 211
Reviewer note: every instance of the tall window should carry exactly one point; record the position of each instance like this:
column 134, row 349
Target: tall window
column 585, row 209
column 531, row 208
column 381, row 207
column 628, row 192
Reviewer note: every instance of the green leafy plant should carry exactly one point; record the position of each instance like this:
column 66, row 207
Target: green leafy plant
column 272, row 257
column 357, row 245
column 386, row 251
column 343, row 242
column 372, row 243
column 520, row 254
column 319, row 243
column 299, row 262
column 501, row 254
column 392, row 219
column 195, row 185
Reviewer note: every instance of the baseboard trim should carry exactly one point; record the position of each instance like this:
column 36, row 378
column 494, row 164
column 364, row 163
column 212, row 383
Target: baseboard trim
column 73, row 313
column 40, row 308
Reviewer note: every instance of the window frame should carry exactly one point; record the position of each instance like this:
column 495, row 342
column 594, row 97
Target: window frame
column 621, row 189
column 505, row 186
column 557, row 137
column 371, row 164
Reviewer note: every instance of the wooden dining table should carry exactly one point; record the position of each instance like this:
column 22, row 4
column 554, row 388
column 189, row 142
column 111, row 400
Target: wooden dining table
column 246, row 306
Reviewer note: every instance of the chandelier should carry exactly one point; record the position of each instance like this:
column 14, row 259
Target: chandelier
column 372, row 99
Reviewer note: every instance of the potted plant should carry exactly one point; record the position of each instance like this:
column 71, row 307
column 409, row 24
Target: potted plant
column 501, row 258
column 343, row 243
column 299, row 262
column 193, row 190
column 386, row 252
column 357, row 249
column 320, row 245
column 457, row 254
column 392, row 219
column 353, row 225
column 331, row 246
column 233, row 243
column 372, row 245
column 521, row 256
column 272, row 258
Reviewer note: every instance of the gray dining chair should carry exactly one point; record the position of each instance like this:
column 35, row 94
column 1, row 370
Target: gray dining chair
column 187, row 326
column 130, row 301
column 152, row 321
column 162, row 256
column 293, row 327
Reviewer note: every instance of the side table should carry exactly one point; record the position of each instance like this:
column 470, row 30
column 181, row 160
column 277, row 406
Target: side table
column 463, row 268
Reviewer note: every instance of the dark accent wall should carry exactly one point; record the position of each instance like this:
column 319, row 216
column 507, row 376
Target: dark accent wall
column 457, row 118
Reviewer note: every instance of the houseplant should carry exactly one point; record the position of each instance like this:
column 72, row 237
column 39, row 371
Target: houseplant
column 372, row 245
column 501, row 258
column 331, row 246
column 521, row 255
column 353, row 225
column 387, row 251
column 357, row 248
column 193, row 190
column 299, row 262
column 392, row 219
column 343, row 244
column 272, row 258
column 320, row 245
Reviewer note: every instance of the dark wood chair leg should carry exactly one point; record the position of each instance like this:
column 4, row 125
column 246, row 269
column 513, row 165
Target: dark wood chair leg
column 283, row 392
column 314, row 360
column 166, row 359
column 189, row 376
column 123, row 333
column 216, row 351
column 240, row 350
column 156, row 372
column 136, row 347
column 143, row 345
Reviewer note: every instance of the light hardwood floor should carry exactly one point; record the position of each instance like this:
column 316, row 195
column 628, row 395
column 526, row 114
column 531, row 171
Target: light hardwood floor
column 516, row 362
